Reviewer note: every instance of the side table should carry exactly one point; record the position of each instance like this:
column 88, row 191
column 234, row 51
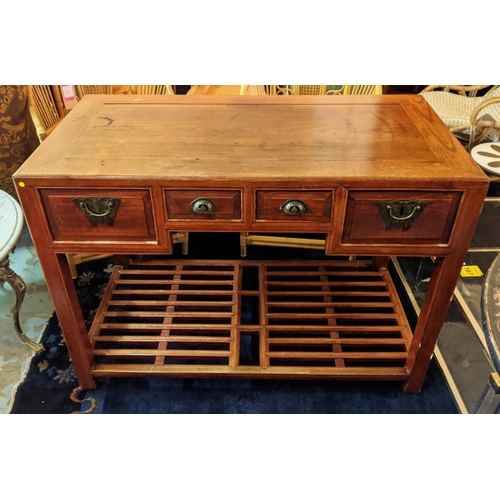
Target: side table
column 11, row 222
column 487, row 156
column 490, row 312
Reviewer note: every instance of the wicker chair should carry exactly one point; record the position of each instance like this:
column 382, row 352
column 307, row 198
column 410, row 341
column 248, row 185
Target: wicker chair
column 152, row 89
column 469, row 117
column 83, row 90
column 291, row 241
column 310, row 89
column 46, row 108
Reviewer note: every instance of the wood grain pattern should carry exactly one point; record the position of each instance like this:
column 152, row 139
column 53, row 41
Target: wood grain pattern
column 309, row 137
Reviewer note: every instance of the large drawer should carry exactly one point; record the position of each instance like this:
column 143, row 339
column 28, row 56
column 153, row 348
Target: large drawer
column 96, row 215
column 399, row 217
column 202, row 205
column 294, row 206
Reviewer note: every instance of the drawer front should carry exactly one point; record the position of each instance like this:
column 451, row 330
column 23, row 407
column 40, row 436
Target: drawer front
column 294, row 206
column 99, row 215
column 399, row 217
column 201, row 205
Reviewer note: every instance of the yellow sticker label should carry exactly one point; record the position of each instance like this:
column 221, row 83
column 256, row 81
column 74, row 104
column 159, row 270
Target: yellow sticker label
column 470, row 272
column 22, row 184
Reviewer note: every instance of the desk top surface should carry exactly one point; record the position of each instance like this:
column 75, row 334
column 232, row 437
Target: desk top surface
column 252, row 137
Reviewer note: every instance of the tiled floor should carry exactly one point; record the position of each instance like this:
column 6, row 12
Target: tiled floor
column 461, row 352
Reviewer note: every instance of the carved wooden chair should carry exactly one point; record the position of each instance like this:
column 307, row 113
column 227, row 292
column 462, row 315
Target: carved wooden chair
column 469, row 116
column 291, row 241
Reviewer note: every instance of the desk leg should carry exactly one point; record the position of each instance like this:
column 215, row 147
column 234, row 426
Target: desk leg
column 63, row 293
column 440, row 290
column 19, row 287
column 60, row 284
column 431, row 318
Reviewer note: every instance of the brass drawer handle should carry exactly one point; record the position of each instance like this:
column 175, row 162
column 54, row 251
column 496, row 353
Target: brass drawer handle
column 415, row 208
column 98, row 210
column 401, row 213
column 87, row 209
column 294, row 207
column 203, row 206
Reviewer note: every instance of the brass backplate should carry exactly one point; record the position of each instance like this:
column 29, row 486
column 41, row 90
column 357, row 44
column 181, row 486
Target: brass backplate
column 401, row 213
column 98, row 210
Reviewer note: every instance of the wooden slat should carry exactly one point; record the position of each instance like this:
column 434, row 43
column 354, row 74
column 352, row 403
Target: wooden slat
column 168, row 353
column 324, row 372
column 353, row 328
column 234, row 359
column 302, row 328
column 398, row 308
column 334, row 334
column 360, row 305
column 103, row 306
column 330, row 283
column 165, row 333
column 363, row 316
column 195, row 303
column 206, row 263
column 166, row 292
column 263, row 347
column 336, row 355
column 334, row 341
column 159, row 326
column 183, row 272
column 170, row 314
column 325, row 273
column 177, row 282
column 188, row 339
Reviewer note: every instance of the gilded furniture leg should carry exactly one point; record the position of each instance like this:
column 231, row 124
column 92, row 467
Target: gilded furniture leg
column 19, row 287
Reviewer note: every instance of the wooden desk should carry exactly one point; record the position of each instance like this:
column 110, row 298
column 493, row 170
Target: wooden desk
column 378, row 175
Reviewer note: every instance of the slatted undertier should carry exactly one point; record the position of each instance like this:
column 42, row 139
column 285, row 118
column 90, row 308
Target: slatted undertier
column 270, row 319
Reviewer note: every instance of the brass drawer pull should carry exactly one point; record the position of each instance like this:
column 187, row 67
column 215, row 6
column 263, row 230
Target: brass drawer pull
column 203, row 206
column 294, row 207
column 401, row 213
column 98, row 210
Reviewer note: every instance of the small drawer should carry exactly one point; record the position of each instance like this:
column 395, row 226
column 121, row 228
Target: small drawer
column 294, row 206
column 399, row 217
column 95, row 215
column 201, row 205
